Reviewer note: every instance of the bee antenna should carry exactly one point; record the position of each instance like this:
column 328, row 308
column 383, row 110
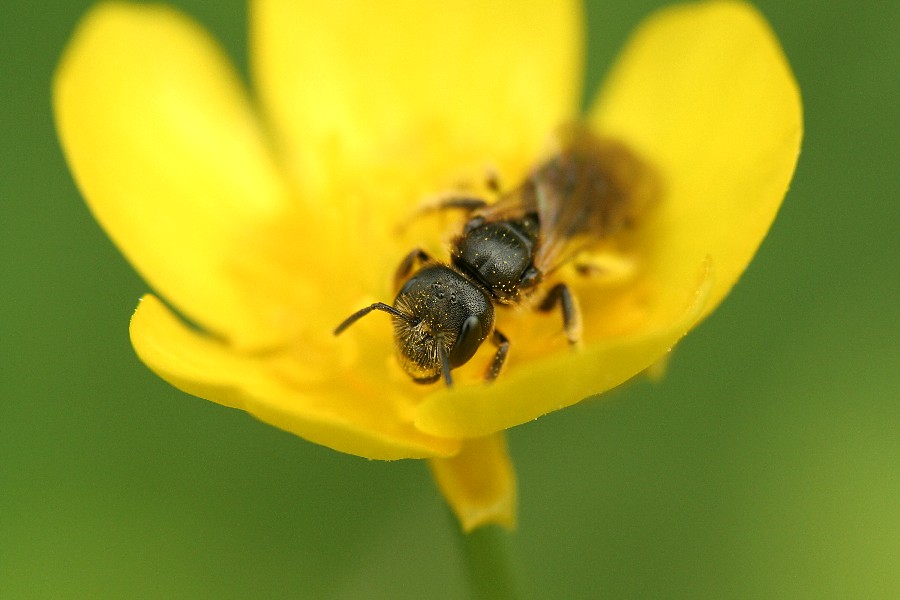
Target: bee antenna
column 363, row 312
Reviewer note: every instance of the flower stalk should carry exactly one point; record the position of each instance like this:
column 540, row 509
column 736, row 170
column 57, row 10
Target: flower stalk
column 488, row 563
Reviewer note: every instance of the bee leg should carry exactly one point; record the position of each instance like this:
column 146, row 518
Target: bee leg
column 610, row 268
column 452, row 202
column 493, row 180
column 587, row 269
column 571, row 314
column 499, row 358
column 467, row 203
column 441, row 204
column 409, row 263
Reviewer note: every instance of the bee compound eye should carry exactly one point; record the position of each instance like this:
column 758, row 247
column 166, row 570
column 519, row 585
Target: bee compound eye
column 469, row 339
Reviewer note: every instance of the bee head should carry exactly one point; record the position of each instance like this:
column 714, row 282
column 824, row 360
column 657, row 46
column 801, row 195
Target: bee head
column 442, row 318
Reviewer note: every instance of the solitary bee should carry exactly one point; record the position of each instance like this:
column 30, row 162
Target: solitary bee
column 592, row 189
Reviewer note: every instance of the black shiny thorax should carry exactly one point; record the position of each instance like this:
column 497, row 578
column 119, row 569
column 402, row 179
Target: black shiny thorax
column 499, row 255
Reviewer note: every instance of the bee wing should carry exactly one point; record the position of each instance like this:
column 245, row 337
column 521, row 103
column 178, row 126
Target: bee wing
column 592, row 190
column 569, row 211
column 565, row 211
column 511, row 206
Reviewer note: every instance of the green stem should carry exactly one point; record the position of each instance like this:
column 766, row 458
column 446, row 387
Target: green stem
column 486, row 552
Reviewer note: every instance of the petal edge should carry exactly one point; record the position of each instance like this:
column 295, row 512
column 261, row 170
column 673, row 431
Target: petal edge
column 165, row 148
column 204, row 367
column 704, row 92
column 558, row 381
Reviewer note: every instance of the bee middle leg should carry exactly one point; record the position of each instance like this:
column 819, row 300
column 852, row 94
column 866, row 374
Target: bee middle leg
column 502, row 343
column 609, row 268
column 467, row 204
column 561, row 295
column 453, row 202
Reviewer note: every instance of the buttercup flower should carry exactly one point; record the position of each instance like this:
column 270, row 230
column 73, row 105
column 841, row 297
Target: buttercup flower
column 264, row 221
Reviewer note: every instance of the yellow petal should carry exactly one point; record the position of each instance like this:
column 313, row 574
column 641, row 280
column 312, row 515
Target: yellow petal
column 402, row 93
column 704, row 93
column 561, row 380
column 479, row 483
column 330, row 415
column 162, row 142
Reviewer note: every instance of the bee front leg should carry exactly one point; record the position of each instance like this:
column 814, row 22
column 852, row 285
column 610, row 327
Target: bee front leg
column 502, row 343
column 410, row 263
column 571, row 313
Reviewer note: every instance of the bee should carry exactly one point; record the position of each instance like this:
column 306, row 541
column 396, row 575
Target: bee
column 592, row 189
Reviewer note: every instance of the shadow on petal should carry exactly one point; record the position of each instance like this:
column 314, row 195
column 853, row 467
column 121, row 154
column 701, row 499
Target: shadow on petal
column 332, row 413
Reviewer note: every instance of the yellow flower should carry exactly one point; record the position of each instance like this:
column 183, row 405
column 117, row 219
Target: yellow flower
column 266, row 221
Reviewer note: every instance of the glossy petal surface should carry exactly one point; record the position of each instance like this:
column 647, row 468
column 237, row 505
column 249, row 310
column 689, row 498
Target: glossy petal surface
column 704, row 93
column 163, row 143
column 411, row 95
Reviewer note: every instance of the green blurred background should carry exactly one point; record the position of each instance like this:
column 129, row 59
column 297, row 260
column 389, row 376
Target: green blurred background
column 765, row 465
